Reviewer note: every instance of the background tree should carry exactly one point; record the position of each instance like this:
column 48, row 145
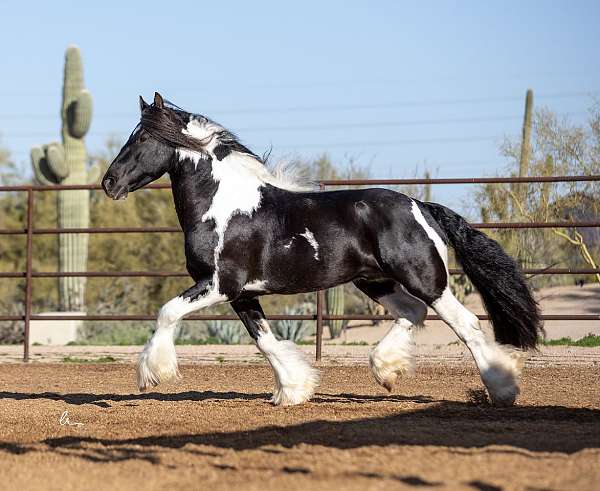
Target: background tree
column 558, row 147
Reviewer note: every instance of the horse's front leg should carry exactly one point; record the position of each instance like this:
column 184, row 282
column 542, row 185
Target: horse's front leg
column 295, row 378
column 158, row 362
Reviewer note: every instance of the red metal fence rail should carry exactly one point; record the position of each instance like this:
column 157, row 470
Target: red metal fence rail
column 319, row 316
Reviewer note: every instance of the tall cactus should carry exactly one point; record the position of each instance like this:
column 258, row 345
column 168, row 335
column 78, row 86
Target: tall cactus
column 427, row 191
column 335, row 306
column 525, row 146
column 526, row 140
column 65, row 163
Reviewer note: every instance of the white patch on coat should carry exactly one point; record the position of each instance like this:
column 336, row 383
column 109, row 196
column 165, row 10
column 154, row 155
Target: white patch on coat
column 431, row 233
column 499, row 369
column 393, row 355
column 295, row 378
column 283, row 175
column 158, row 361
column 256, row 286
column 308, row 235
column 238, row 193
column 195, row 157
column 289, row 244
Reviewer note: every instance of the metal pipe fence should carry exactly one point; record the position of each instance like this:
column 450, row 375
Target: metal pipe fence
column 319, row 316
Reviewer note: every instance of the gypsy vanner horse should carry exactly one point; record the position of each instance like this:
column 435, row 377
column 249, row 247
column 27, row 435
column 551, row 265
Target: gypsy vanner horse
column 250, row 232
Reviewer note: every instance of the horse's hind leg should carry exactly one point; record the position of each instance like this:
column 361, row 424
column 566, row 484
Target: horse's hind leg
column 295, row 378
column 158, row 362
column 499, row 369
column 393, row 355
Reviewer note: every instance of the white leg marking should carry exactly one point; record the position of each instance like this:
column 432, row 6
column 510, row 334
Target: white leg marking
column 295, row 378
column 499, row 368
column 158, row 361
column 393, row 355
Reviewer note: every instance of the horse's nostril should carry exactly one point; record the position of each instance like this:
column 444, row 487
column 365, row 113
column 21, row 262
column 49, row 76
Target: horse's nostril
column 108, row 183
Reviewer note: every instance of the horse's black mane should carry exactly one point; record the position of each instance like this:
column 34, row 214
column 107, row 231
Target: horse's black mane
column 166, row 124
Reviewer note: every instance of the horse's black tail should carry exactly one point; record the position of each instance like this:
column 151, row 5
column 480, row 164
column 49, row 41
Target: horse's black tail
column 513, row 311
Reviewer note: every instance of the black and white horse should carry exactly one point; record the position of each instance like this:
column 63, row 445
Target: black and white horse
column 249, row 232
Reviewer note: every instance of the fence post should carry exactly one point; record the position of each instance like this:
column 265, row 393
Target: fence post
column 320, row 301
column 320, row 296
column 28, row 271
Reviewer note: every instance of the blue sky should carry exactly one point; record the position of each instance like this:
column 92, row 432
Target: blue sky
column 392, row 85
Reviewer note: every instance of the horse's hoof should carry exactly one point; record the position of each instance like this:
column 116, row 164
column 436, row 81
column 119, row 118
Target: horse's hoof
column 387, row 369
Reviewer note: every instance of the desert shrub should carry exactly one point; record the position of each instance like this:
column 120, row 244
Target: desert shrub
column 227, row 332
column 293, row 329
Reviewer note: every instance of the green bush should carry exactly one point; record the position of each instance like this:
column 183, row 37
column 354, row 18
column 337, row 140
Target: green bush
column 589, row 341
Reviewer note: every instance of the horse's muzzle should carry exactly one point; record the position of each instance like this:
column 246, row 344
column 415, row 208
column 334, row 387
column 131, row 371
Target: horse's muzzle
column 112, row 190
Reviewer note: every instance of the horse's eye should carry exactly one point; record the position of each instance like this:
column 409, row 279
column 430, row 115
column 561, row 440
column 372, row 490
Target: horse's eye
column 143, row 137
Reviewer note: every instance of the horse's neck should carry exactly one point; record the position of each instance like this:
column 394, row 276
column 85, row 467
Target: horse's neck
column 193, row 192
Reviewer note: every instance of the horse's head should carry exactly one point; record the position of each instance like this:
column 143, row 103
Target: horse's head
column 144, row 158
column 169, row 139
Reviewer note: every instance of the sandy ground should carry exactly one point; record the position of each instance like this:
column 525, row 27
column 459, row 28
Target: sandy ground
column 333, row 354
column 215, row 429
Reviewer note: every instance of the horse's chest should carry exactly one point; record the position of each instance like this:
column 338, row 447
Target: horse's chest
column 233, row 200
column 199, row 250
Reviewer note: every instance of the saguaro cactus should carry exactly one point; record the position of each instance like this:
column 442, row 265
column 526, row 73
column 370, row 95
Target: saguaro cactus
column 522, row 189
column 427, row 191
column 335, row 306
column 65, row 163
column 526, row 140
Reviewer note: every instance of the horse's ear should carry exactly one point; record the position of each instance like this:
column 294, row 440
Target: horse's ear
column 143, row 104
column 158, row 100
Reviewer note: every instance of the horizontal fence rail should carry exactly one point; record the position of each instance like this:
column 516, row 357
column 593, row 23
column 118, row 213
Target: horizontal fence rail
column 274, row 317
column 346, row 182
column 146, row 230
column 319, row 316
column 177, row 274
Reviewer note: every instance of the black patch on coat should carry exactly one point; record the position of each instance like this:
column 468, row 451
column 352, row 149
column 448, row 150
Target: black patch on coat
column 222, row 151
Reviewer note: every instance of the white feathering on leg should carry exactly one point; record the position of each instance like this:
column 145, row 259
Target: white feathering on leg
column 393, row 356
column 295, row 378
column 501, row 374
column 158, row 362
column 499, row 367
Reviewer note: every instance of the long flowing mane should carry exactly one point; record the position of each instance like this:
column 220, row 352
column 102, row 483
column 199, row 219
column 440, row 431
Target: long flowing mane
column 197, row 137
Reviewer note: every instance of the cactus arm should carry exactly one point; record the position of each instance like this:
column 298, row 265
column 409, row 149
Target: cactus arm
column 37, row 157
column 55, row 157
column 79, row 114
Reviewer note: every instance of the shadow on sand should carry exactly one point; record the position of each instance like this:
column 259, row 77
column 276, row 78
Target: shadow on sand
column 459, row 425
